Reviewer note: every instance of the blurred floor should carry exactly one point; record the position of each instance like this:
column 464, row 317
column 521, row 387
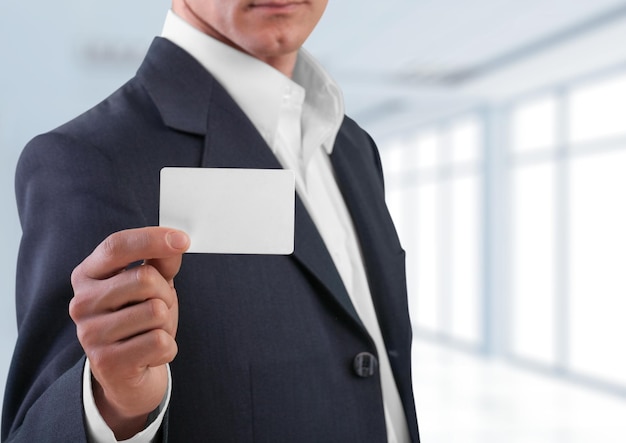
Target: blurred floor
column 464, row 398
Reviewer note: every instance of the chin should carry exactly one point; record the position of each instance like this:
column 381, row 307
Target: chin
column 274, row 48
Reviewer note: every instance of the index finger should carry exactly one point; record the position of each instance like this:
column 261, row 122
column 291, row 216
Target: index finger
column 122, row 248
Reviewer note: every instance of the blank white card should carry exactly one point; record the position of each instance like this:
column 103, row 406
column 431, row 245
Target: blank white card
column 230, row 211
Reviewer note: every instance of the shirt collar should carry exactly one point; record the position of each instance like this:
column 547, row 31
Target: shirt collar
column 323, row 106
column 258, row 88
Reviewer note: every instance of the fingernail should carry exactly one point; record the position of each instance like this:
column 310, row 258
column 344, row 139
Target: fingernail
column 177, row 240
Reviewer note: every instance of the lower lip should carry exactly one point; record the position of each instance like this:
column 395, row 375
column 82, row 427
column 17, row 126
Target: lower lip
column 276, row 7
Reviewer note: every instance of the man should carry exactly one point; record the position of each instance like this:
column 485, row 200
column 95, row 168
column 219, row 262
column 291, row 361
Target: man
column 313, row 347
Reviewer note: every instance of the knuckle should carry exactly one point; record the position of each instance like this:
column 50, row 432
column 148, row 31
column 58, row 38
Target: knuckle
column 78, row 307
column 82, row 336
column 171, row 352
column 99, row 359
column 75, row 309
column 167, row 352
column 161, row 340
column 75, row 277
column 87, row 335
column 111, row 245
column 146, row 275
column 159, row 310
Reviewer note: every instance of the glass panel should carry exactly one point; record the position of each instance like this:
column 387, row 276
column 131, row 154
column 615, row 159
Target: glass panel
column 598, row 110
column 466, row 138
column 397, row 204
column 391, row 157
column 428, row 292
column 466, row 259
column 533, row 257
column 533, row 125
column 428, row 149
column 598, row 259
column 397, row 157
column 401, row 203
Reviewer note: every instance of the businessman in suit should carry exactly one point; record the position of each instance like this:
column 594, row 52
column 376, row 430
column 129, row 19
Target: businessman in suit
column 312, row 347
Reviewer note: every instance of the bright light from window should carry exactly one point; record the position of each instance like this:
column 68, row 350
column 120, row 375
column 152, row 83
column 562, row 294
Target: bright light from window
column 466, row 268
column 396, row 157
column 598, row 111
column 466, row 138
column 402, row 206
column 532, row 279
column 428, row 291
column 598, row 260
column 439, row 219
column 533, row 125
column 428, row 149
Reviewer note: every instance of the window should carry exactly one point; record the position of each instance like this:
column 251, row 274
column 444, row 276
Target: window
column 560, row 172
column 436, row 201
column 598, row 110
column 598, row 258
column 533, row 125
column 532, row 254
column 568, row 235
column 597, row 232
column 532, row 284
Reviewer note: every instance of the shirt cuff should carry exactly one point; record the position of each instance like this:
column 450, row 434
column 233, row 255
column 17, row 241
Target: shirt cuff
column 97, row 429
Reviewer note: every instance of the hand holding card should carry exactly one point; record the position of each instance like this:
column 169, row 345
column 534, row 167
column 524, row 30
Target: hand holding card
column 230, row 211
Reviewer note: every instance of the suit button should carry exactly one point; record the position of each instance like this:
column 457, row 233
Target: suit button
column 365, row 364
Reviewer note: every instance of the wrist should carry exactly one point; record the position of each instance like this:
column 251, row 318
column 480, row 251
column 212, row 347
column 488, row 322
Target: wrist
column 124, row 425
column 97, row 429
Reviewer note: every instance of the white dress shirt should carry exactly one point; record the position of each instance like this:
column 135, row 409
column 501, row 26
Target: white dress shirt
column 299, row 118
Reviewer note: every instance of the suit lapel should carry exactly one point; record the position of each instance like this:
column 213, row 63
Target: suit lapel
column 360, row 180
column 201, row 106
column 361, row 185
column 311, row 252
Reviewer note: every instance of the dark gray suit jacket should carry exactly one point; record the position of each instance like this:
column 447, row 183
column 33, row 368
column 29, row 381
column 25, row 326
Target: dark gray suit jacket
column 266, row 343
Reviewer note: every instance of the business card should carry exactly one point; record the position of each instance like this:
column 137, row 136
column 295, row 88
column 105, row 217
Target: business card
column 230, row 211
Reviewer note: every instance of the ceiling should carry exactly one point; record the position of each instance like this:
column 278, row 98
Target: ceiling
column 405, row 62
column 400, row 63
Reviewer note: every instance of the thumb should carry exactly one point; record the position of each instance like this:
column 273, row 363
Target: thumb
column 168, row 267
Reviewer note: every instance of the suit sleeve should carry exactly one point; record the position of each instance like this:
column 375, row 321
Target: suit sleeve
column 68, row 201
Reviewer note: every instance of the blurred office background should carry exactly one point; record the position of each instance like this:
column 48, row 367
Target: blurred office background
column 502, row 128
